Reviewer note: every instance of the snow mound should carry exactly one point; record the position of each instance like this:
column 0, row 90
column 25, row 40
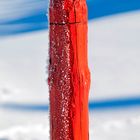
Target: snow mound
column 30, row 132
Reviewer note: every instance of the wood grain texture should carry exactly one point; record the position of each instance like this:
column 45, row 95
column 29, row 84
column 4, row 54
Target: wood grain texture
column 69, row 76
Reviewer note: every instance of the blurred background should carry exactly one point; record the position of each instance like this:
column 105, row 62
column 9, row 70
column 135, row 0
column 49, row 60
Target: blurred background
column 114, row 61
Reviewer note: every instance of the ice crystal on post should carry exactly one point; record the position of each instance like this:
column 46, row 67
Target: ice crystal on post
column 60, row 81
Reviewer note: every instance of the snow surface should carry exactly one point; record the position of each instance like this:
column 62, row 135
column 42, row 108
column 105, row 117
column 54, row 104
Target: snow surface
column 114, row 60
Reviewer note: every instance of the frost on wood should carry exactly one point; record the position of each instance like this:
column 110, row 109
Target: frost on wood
column 69, row 77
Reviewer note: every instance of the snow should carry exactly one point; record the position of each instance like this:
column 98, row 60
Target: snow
column 23, row 67
column 114, row 58
column 30, row 132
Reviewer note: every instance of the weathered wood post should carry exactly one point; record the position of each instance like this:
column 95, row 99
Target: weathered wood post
column 69, row 77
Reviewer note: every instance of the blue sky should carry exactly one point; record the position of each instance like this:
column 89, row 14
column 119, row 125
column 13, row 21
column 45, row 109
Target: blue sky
column 21, row 16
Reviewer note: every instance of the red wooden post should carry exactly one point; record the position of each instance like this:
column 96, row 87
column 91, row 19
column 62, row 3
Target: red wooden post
column 69, row 77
